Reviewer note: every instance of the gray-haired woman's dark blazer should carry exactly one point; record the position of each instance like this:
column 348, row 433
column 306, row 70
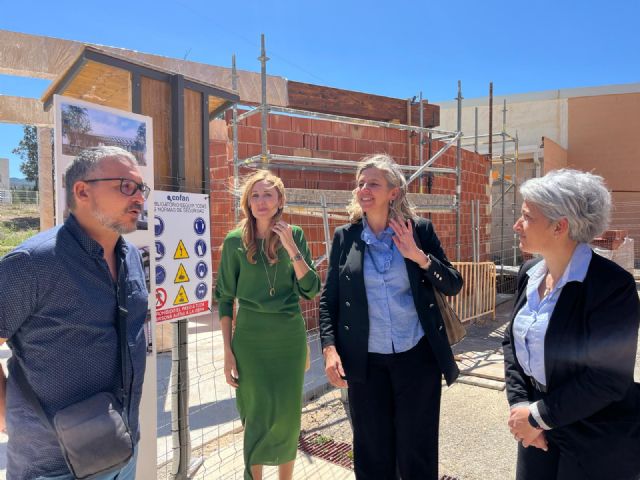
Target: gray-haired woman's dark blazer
column 592, row 403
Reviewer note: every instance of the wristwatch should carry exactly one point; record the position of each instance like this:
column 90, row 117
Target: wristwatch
column 533, row 422
column 296, row 257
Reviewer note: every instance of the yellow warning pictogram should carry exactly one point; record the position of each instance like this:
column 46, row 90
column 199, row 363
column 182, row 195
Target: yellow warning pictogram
column 181, row 297
column 181, row 252
column 181, row 276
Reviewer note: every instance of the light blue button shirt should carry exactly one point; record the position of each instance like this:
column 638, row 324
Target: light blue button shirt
column 531, row 322
column 394, row 326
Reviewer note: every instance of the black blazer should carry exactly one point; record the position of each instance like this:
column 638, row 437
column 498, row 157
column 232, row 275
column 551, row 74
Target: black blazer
column 344, row 312
column 592, row 403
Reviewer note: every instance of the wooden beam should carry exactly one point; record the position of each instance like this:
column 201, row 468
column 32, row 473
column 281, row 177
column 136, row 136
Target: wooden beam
column 37, row 56
column 24, row 111
column 336, row 101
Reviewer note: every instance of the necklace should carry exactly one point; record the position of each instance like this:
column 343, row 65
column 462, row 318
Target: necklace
column 272, row 286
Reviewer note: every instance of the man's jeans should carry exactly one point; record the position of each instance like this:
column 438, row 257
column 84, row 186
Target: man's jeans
column 128, row 472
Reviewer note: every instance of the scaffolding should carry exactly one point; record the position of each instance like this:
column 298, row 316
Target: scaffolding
column 504, row 172
column 326, row 204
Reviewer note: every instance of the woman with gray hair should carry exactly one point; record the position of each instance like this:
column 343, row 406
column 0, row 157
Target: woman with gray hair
column 382, row 336
column 570, row 348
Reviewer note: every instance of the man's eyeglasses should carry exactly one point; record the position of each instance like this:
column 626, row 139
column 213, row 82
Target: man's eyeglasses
column 127, row 186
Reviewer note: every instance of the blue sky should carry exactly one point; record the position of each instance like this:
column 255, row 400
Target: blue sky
column 394, row 48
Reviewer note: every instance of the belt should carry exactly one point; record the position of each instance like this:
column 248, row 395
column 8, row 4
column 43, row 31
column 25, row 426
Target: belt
column 537, row 385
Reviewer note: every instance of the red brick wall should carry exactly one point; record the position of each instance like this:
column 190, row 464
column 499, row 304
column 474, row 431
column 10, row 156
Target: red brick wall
column 324, row 139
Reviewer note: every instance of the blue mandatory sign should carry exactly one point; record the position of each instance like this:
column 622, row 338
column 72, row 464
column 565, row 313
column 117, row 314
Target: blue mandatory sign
column 200, row 248
column 201, row 290
column 158, row 226
column 201, row 269
column 159, row 250
column 199, row 225
column 161, row 274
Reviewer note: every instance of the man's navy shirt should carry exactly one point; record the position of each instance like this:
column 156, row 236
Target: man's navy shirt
column 58, row 311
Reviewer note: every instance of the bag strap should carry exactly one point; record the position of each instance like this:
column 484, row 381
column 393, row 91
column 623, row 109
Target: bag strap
column 123, row 313
column 121, row 296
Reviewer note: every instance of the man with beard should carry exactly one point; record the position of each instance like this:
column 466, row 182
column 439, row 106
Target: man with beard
column 60, row 294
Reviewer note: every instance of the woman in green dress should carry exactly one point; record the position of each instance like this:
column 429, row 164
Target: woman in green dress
column 266, row 266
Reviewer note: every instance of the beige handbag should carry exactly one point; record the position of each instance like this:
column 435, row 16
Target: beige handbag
column 453, row 325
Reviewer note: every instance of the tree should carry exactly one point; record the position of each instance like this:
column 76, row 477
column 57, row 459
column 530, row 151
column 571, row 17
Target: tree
column 75, row 123
column 27, row 150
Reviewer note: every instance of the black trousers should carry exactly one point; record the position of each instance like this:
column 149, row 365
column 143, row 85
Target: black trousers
column 396, row 415
column 536, row 464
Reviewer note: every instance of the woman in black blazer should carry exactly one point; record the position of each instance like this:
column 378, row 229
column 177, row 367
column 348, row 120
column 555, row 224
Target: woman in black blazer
column 381, row 332
column 570, row 349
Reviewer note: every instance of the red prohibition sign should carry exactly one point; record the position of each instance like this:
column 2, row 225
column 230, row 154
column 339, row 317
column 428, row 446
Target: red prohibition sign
column 161, row 297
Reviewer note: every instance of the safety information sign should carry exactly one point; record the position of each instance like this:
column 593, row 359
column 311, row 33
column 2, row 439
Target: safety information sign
column 183, row 271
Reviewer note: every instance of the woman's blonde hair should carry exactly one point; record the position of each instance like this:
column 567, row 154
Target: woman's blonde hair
column 400, row 208
column 248, row 223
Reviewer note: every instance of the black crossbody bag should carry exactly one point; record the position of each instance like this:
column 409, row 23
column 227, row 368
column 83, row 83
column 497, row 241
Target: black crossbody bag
column 94, row 434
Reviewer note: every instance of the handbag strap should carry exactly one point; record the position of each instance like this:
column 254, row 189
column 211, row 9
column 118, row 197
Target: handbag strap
column 123, row 313
column 121, row 296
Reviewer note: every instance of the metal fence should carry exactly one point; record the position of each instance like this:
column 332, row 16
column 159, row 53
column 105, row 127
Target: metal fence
column 19, row 197
column 215, row 430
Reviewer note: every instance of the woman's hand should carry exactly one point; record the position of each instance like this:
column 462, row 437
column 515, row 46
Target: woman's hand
column 333, row 367
column 523, row 431
column 285, row 232
column 405, row 242
column 230, row 369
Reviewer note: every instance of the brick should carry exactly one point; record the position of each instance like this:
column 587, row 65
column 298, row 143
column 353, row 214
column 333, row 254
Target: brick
column 249, row 135
column 341, row 129
column 323, row 127
column 373, row 133
column 364, row 146
column 310, row 141
column 356, row 131
column 302, row 152
column 274, row 137
column 327, row 143
column 394, row 135
column 302, row 125
column 252, row 149
column 346, row 145
column 293, row 139
column 280, row 122
column 397, row 150
column 254, row 120
column 279, row 150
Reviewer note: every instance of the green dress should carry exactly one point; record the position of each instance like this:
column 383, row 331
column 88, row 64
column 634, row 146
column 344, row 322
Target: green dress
column 269, row 343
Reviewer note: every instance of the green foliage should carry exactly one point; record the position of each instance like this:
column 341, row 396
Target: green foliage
column 17, row 223
column 27, row 150
column 321, row 439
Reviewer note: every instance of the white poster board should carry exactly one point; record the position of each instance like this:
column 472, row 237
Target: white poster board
column 182, row 254
column 80, row 125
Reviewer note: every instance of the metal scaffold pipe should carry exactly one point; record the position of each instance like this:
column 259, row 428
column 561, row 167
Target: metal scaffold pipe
column 459, row 170
column 502, row 181
column 234, row 87
column 265, row 109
